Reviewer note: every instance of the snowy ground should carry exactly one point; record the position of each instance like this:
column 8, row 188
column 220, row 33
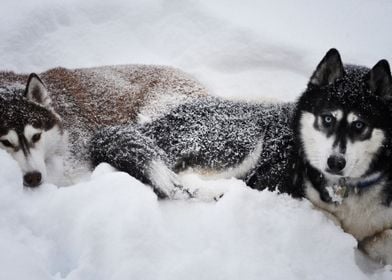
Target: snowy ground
column 113, row 227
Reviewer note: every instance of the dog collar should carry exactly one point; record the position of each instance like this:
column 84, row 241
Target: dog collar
column 338, row 192
column 365, row 182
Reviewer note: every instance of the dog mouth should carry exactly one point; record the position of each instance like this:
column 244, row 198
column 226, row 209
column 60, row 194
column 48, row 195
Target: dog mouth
column 335, row 173
column 31, row 186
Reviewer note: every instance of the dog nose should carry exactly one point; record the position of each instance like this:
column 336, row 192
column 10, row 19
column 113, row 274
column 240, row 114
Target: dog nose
column 336, row 163
column 32, row 179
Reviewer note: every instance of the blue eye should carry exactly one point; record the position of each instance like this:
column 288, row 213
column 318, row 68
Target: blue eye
column 358, row 126
column 328, row 120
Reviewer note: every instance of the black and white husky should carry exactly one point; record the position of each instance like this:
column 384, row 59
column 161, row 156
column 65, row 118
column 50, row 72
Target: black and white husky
column 341, row 160
column 47, row 128
column 333, row 146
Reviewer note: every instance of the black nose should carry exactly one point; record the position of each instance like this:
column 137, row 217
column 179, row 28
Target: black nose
column 32, row 179
column 336, row 163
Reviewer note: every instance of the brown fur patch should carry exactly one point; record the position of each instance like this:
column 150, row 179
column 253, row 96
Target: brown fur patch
column 114, row 95
column 89, row 98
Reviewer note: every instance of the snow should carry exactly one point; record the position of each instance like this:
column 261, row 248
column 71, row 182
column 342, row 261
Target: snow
column 112, row 226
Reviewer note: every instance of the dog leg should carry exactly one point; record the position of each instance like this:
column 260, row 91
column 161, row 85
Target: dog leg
column 128, row 150
column 378, row 247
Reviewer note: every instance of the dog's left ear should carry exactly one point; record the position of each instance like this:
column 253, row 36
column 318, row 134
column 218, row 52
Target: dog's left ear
column 379, row 79
column 36, row 91
column 328, row 70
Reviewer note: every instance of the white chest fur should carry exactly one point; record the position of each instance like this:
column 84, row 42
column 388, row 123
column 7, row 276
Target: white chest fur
column 361, row 215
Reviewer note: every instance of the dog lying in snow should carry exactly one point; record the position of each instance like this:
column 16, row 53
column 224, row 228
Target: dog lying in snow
column 47, row 128
column 333, row 147
column 341, row 160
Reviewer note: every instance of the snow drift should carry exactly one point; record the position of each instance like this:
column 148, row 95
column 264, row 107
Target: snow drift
column 112, row 226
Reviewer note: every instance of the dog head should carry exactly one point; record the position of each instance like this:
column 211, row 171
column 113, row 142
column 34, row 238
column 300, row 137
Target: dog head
column 343, row 119
column 30, row 130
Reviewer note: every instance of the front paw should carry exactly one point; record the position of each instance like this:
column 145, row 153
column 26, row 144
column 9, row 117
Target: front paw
column 207, row 194
column 378, row 247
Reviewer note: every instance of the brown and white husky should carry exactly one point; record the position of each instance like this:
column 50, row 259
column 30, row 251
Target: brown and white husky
column 46, row 121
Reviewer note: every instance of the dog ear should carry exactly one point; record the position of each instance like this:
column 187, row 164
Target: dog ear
column 329, row 70
column 379, row 79
column 36, row 91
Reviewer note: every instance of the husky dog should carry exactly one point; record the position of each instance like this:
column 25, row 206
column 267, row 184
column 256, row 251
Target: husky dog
column 333, row 146
column 341, row 160
column 214, row 137
column 46, row 125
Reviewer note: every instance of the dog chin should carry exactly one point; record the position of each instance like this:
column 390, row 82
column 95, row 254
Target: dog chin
column 334, row 173
column 333, row 176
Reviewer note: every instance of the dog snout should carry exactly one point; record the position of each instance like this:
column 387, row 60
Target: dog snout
column 336, row 163
column 32, row 179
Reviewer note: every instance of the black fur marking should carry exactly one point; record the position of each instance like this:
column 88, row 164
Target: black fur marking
column 23, row 144
column 16, row 112
column 317, row 179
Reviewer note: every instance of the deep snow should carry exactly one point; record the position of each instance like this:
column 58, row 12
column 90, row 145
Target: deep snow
column 113, row 227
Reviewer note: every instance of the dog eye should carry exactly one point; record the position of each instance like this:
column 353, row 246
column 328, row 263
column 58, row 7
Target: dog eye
column 358, row 126
column 328, row 120
column 6, row 143
column 36, row 137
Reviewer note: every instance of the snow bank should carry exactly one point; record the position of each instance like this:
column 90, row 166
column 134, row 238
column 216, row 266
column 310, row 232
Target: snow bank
column 113, row 227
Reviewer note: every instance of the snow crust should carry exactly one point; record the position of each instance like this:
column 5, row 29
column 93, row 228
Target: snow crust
column 112, row 226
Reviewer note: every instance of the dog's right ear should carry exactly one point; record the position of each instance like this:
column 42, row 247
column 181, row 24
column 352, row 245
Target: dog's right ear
column 329, row 70
column 36, row 91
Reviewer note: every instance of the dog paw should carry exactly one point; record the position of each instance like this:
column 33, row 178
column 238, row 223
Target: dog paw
column 378, row 247
column 167, row 184
column 206, row 194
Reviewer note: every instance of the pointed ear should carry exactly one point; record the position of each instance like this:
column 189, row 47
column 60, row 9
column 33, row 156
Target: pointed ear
column 329, row 70
column 36, row 91
column 379, row 79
